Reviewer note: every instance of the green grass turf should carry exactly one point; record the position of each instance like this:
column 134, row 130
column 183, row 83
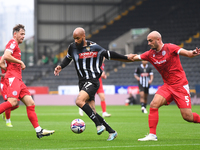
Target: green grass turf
column 173, row 132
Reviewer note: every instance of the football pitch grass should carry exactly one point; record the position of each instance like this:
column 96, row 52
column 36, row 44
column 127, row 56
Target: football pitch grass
column 173, row 132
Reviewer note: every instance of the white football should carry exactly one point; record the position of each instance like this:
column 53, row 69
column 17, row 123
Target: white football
column 77, row 126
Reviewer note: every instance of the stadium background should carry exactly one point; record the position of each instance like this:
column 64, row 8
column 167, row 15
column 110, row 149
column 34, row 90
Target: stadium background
column 105, row 21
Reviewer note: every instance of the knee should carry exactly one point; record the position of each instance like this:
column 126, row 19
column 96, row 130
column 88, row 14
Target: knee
column 102, row 99
column 153, row 104
column 30, row 103
column 187, row 117
column 13, row 102
column 79, row 103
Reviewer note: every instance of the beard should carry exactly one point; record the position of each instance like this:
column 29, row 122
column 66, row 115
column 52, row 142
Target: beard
column 155, row 46
column 80, row 46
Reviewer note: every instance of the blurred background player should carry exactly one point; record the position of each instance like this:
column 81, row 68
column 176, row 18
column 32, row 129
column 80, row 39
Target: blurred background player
column 7, row 113
column 144, row 76
column 101, row 94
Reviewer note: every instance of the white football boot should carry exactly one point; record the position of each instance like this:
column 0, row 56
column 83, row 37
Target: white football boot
column 149, row 137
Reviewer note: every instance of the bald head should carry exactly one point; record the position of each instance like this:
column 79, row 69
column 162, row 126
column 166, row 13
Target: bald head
column 155, row 40
column 79, row 37
column 79, row 31
column 155, row 34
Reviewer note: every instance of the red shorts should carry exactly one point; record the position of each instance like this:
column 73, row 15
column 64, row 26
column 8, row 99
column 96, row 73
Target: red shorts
column 180, row 94
column 100, row 90
column 16, row 88
column 4, row 91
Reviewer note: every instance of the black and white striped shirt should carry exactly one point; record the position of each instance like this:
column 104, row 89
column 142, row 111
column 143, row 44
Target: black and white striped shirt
column 88, row 60
column 144, row 74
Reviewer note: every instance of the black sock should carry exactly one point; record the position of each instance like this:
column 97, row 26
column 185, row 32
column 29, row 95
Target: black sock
column 142, row 104
column 108, row 128
column 145, row 105
column 88, row 110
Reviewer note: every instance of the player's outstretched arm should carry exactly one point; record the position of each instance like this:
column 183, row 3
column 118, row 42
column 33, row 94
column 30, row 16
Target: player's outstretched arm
column 136, row 57
column 131, row 57
column 119, row 57
column 190, row 53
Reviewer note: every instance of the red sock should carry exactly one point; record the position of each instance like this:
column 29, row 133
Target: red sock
column 153, row 120
column 196, row 118
column 7, row 112
column 4, row 106
column 32, row 115
column 103, row 106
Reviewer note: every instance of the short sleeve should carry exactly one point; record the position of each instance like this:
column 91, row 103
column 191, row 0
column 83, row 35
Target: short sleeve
column 145, row 56
column 11, row 46
column 174, row 48
column 69, row 52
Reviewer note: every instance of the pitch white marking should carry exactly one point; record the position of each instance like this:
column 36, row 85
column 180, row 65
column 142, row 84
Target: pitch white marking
column 103, row 147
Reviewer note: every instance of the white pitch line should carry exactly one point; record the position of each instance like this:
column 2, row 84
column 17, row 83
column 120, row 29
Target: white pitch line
column 128, row 146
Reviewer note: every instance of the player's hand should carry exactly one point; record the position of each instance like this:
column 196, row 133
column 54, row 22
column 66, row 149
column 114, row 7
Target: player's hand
column 57, row 70
column 131, row 57
column 103, row 75
column 3, row 66
column 23, row 66
column 196, row 51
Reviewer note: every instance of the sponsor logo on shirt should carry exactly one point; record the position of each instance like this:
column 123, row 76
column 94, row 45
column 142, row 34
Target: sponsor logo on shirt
column 160, row 62
column 144, row 74
column 88, row 55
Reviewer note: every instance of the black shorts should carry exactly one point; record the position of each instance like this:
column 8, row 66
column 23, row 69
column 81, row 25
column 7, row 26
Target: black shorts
column 145, row 89
column 89, row 86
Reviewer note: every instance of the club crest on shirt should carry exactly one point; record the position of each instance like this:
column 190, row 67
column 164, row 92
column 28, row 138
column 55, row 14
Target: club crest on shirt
column 12, row 46
column 14, row 93
column 88, row 48
column 163, row 53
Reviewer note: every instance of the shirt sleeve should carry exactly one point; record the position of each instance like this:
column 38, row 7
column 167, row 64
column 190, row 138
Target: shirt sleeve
column 65, row 62
column 11, row 46
column 144, row 56
column 67, row 59
column 113, row 55
column 136, row 72
column 174, row 48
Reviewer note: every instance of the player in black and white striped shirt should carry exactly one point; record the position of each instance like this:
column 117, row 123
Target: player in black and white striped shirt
column 144, row 76
column 88, row 57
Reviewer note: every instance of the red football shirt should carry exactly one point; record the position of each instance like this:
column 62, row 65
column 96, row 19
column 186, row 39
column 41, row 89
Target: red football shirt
column 13, row 69
column 2, row 71
column 168, row 64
